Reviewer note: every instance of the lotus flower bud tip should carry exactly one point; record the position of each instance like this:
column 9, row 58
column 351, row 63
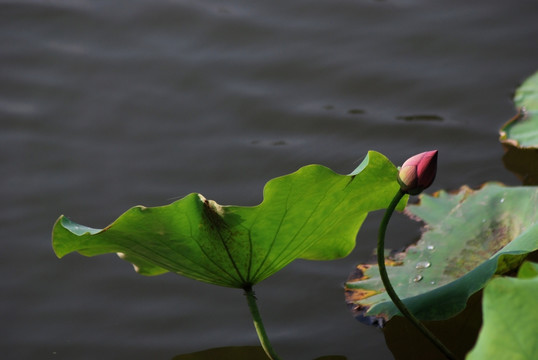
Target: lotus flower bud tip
column 418, row 172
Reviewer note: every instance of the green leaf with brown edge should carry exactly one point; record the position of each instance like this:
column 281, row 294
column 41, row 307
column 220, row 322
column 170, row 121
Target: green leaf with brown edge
column 469, row 236
column 519, row 136
column 312, row 214
column 510, row 327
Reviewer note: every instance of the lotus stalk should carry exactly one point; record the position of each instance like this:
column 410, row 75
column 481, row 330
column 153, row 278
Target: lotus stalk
column 415, row 175
column 258, row 324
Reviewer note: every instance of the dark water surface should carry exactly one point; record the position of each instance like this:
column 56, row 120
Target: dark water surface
column 108, row 104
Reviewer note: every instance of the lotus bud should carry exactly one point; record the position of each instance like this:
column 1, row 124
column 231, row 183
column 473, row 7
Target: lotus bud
column 418, row 172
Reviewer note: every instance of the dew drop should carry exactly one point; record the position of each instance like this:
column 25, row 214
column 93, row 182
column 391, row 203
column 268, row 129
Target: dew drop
column 432, row 282
column 430, row 247
column 417, row 278
column 502, row 200
column 423, row 265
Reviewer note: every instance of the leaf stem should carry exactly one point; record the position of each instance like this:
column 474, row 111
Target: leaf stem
column 388, row 287
column 258, row 323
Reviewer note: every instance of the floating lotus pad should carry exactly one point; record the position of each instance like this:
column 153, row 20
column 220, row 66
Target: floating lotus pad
column 522, row 130
column 519, row 135
column 469, row 236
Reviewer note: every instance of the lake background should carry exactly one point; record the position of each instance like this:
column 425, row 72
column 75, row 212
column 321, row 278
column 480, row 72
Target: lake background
column 109, row 104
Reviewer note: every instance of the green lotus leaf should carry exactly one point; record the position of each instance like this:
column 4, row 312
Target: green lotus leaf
column 469, row 236
column 522, row 130
column 519, row 135
column 311, row 214
column 510, row 318
column 528, row 270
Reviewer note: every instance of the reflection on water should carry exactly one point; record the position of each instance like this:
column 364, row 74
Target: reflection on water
column 459, row 334
column 237, row 352
column 226, row 353
column 420, row 117
column 109, row 104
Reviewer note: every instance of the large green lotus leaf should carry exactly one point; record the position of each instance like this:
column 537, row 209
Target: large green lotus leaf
column 519, row 135
column 312, row 214
column 469, row 236
column 510, row 327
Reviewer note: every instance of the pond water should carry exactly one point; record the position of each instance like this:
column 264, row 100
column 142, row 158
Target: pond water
column 108, row 104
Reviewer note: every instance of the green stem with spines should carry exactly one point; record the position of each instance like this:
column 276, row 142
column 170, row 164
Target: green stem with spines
column 388, row 287
column 258, row 324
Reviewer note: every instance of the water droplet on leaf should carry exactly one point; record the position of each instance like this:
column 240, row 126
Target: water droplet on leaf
column 423, row 265
column 430, row 247
column 417, row 278
column 502, row 200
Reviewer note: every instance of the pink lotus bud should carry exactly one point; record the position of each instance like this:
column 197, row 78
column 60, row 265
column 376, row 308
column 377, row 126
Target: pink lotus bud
column 418, row 172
